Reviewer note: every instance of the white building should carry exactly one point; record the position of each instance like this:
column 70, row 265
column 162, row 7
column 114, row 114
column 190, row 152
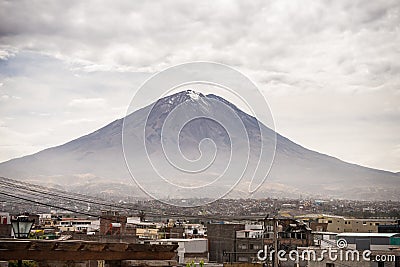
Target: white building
column 195, row 249
column 325, row 239
column 371, row 241
column 79, row 225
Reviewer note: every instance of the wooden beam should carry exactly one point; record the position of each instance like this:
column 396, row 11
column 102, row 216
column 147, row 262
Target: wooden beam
column 84, row 255
column 82, row 250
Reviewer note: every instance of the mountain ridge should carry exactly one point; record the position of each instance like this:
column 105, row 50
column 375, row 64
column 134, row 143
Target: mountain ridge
column 300, row 169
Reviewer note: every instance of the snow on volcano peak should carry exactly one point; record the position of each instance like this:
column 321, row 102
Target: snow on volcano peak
column 193, row 94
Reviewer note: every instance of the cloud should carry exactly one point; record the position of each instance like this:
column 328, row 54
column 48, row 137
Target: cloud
column 47, row 104
column 320, row 63
column 87, row 103
column 78, row 121
column 294, row 36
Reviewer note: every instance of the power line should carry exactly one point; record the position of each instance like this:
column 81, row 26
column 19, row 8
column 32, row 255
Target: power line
column 87, row 200
column 36, row 192
column 52, row 206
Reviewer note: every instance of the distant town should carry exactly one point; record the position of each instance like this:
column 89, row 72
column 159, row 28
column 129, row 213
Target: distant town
column 229, row 232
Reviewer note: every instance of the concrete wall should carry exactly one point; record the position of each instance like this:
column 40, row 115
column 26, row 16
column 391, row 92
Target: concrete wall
column 193, row 249
column 195, row 245
column 5, row 230
column 221, row 239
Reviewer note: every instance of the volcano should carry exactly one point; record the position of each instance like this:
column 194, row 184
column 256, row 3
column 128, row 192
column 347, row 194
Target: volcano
column 96, row 162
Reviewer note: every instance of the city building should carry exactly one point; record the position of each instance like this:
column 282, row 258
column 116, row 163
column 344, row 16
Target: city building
column 351, row 258
column 196, row 230
column 341, row 224
column 111, row 223
column 46, row 220
column 142, row 229
column 5, row 225
column 78, row 225
column 389, row 228
column 371, row 241
column 290, row 235
column 248, row 243
column 222, row 241
column 189, row 250
column 324, row 239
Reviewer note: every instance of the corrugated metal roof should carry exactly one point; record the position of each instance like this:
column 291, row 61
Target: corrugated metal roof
column 367, row 234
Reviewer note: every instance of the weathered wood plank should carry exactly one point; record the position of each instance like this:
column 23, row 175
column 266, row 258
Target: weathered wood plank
column 84, row 255
column 83, row 250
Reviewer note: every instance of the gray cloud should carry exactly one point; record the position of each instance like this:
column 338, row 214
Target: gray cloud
column 333, row 61
column 43, row 103
column 276, row 34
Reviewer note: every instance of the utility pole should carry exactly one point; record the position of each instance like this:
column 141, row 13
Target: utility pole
column 263, row 246
column 264, row 229
column 275, row 221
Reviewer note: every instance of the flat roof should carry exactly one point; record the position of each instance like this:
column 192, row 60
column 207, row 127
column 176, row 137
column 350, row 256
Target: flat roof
column 178, row 239
column 323, row 233
column 368, row 234
column 372, row 220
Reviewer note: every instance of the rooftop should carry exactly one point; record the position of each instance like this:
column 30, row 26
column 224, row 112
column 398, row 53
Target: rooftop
column 324, row 233
column 369, row 234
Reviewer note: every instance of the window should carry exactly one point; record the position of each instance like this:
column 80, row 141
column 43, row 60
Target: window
column 329, row 221
column 330, row 265
column 242, row 246
column 254, row 246
column 257, row 247
column 243, row 259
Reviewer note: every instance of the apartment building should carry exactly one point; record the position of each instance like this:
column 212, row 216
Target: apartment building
column 340, row 224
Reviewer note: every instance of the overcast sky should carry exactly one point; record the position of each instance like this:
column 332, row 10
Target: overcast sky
column 329, row 69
